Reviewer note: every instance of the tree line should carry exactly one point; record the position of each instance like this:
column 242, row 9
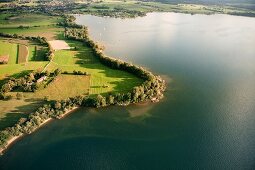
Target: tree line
column 34, row 120
column 152, row 87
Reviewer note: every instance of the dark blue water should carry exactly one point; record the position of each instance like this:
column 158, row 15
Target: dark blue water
column 206, row 120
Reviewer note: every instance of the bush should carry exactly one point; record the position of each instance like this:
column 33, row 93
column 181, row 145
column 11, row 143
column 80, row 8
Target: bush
column 75, row 72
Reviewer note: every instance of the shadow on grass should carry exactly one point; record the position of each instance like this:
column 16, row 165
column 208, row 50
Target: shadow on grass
column 11, row 119
column 39, row 54
column 18, row 112
column 85, row 59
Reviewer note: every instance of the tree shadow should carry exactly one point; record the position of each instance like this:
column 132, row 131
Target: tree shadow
column 39, row 54
column 11, row 119
column 18, row 112
column 86, row 59
column 40, row 51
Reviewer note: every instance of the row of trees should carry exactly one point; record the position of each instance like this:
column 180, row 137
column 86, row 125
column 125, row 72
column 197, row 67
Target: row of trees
column 82, row 35
column 153, row 85
column 28, row 125
column 41, row 40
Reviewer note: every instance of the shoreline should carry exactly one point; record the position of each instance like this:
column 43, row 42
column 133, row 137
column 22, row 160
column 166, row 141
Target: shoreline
column 68, row 112
column 147, row 76
column 13, row 139
column 9, row 142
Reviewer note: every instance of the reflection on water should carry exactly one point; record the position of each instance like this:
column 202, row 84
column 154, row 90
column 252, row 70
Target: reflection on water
column 205, row 121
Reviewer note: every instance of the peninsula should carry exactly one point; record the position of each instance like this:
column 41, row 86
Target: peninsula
column 49, row 65
column 64, row 73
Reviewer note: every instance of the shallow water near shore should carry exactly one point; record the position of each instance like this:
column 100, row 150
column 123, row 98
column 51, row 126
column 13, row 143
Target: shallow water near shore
column 206, row 119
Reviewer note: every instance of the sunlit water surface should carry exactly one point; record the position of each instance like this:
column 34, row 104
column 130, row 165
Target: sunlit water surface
column 206, row 120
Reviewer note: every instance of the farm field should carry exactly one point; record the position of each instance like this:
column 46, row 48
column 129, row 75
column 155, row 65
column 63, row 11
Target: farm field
column 63, row 87
column 11, row 46
column 12, row 68
column 23, row 19
column 10, row 49
column 23, row 53
column 49, row 32
column 31, row 25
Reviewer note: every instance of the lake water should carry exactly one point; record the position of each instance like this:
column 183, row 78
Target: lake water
column 206, row 120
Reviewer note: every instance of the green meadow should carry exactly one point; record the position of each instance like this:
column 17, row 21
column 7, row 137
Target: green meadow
column 100, row 79
column 103, row 79
column 31, row 25
column 10, row 49
column 81, row 58
column 35, row 20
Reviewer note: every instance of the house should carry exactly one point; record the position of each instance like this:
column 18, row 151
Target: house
column 41, row 79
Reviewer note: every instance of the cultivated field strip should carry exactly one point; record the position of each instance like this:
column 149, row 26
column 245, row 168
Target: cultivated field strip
column 23, row 54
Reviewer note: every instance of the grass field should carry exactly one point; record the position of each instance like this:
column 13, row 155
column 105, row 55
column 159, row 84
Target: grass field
column 49, row 32
column 12, row 110
column 33, row 25
column 83, row 59
column 10, row 49
column 35, row 20
column 36, row 53
column 10, row 46
column 63, row 87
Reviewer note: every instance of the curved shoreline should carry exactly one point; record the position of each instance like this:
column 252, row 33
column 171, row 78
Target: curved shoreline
column 13, row 139
column 155, row 86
